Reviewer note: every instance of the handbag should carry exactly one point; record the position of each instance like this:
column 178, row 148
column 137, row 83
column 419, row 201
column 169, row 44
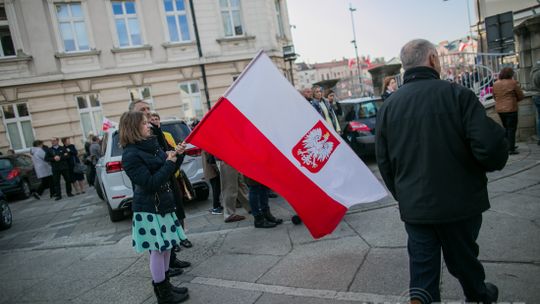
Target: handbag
column 79, row 168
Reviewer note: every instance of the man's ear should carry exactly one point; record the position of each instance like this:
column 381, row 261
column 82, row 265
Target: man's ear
column 432, row 59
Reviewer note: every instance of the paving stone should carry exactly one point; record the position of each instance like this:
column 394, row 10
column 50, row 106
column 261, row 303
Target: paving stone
column 507, row 238
column 269, row 298
column 385, row 271
column 517, row 205
column 329, row 264
column 273, row 241
column 516, row 282
column 13, row 289
column 380, row 228
column 127, row 289
column 239, row 267
column 300, row 235
column 533, row 191
column 204, row 294
column 511, row 184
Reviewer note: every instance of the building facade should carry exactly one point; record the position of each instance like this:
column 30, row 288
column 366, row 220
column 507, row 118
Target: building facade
column 67, row 64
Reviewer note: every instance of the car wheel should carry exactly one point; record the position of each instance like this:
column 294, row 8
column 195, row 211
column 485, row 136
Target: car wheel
column 26, row 191
column 202, row 192
column 99, row 191
column 115, row 215
column 6, row 217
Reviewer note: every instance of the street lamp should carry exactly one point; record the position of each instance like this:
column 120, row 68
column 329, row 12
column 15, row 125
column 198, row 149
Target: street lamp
column 351, row 9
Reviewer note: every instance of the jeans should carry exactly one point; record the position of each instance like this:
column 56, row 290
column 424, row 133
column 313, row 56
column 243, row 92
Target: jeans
column 510, row 122
column 536, row 100
column 258, row 199
column 458, row 243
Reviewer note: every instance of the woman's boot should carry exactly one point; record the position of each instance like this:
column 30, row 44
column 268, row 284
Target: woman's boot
column 165, row 295
column 269, row 217
column 261, row 222
column 180, row 290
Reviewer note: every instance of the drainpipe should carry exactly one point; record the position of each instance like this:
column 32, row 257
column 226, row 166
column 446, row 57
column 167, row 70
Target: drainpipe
column 199, row 49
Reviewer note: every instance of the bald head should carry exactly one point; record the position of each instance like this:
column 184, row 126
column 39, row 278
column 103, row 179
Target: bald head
column 419, row 52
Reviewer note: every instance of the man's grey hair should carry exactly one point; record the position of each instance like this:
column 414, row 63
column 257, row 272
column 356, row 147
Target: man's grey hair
column 134, row 102
column 416, row 53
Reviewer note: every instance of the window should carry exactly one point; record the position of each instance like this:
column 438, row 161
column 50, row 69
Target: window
column 72, row 27
column 281, row 32
column 230, row 13
column 142, row 93
column 6, row 43
column 191, row 99
column 90, row 113
column 177, row 21
column 127, row 23
column 18, row 125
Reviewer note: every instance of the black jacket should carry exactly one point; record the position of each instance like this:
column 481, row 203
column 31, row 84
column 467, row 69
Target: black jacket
column 150, row 173
column 434, row 146
column 63, row 163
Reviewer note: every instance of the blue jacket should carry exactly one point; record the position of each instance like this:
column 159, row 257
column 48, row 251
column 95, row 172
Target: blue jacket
column 145, row 164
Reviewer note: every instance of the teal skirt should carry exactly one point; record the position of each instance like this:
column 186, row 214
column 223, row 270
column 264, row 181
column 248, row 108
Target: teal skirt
column 156, row 232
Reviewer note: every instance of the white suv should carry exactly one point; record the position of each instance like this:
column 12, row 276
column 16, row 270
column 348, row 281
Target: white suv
column 114, row 186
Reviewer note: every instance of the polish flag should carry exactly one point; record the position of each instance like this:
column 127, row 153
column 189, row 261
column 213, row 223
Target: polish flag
column 107, row 124
column 266, row 130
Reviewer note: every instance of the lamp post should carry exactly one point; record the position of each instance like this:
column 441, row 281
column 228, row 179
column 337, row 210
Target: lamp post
column 351, row 9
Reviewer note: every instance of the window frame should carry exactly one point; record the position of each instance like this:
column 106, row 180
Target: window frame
column 10, row 23
column 17, row 119
column 96, row 128
column 187, row 13
column 190, row 96
column 229, row 11
column 71, row 20
column 279, row 19
column 140, row 89
column 138, row 16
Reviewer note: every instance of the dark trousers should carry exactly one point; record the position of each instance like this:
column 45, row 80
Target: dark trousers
column 56, row 181
column 46, row 182
column 91, row 174
column 215, row 183
column 510, row 122
column 458, row 243
column 258, row 199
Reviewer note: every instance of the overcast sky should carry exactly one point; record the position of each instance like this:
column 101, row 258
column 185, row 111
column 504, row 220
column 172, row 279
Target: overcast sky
column 323, row 29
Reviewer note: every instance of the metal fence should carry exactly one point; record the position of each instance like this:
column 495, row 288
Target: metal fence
column 476, row 71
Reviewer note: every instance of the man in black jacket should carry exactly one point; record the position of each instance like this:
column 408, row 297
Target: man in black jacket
column 434, row 146
column 140, row 105
column 58, row 157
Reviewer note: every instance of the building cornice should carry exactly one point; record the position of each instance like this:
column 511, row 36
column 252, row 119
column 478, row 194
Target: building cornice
column 133, row 69
column 77, row 54
column 21, row 56
column 145, row 47
column 177, row 44
column 235, row 39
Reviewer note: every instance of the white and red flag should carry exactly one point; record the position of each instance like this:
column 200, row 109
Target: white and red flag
column 266, row 130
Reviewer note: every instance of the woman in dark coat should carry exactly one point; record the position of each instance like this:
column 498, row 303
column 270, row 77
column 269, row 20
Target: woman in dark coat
column 155, row 226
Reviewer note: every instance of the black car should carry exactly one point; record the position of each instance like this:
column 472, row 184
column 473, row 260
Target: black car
column 358, row 123
column 17, row 175
column 5, row 213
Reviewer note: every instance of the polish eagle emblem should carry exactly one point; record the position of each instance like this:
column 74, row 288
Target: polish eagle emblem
column 315, row 147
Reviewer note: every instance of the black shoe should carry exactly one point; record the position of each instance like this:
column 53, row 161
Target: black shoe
column 272, row 195
column 177, row 248
column 269, row 217
column 58, row 198
column 179, row 264
column 165, row 295
column 513, row 152
column 70, row 195
column 261, row 222
column 186, row 243
column 36, row 195
column 173, row 272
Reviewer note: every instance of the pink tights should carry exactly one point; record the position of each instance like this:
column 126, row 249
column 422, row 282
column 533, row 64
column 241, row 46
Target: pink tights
column 159, row 264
